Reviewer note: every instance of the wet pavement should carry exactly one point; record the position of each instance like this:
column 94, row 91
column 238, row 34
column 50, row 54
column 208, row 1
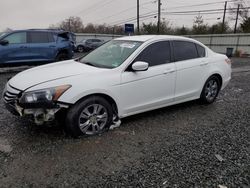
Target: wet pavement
column 186, row 145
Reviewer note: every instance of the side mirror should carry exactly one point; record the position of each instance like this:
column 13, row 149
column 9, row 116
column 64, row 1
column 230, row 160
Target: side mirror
column 140, row 66
column 4, row 42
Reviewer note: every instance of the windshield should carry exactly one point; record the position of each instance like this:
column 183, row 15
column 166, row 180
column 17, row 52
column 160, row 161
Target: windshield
column 111, row 54
column 2, row 34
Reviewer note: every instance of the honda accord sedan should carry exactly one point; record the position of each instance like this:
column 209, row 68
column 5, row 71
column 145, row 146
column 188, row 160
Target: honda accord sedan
column 123, row 77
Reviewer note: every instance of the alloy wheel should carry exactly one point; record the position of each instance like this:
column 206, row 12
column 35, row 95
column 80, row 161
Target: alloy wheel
column 211, row 90
column 93, row 119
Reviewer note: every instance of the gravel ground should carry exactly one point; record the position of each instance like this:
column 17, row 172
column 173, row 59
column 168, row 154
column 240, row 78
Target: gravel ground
column 187, row 145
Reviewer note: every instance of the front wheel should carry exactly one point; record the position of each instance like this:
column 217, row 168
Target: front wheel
column 89, row 117
column 210, row 90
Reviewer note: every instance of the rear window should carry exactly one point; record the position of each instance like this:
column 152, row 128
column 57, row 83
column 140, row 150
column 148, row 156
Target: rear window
column 40, row 37
column 184, row 50
column 64, row 35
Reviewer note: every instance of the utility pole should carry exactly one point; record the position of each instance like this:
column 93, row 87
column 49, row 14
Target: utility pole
column 138, row 16
column 69, row 23
column 224, row 15
column 237, row 17
column 159, row 17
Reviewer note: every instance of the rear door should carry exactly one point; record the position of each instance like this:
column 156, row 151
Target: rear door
column 16, row 50
column 42, row 45
column 191, row 66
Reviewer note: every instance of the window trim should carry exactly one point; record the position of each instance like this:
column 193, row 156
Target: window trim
column 195, row 48
column 196, row 45
column 128, row 67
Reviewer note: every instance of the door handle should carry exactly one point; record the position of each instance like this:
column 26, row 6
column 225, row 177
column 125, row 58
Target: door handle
column 23, row 47
column 168, row 71
column 52, row 46
column 204, row 64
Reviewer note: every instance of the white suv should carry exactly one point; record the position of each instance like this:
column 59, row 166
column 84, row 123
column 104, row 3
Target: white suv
column 125, row 76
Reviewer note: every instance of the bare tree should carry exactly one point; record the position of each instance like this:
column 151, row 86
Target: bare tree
column 73, row 24
column 199, row 27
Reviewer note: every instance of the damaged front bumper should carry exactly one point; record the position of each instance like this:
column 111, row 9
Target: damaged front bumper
column 40, row 112
column 39, row 115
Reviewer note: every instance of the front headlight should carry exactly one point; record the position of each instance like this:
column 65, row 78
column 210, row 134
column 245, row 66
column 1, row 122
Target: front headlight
column 44, row 96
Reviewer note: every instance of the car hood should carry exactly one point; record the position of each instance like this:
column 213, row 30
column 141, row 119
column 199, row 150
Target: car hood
column 46, row 73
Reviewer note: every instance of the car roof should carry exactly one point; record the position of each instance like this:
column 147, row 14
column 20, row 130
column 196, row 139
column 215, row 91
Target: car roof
column 41, row 30
column 144, row 38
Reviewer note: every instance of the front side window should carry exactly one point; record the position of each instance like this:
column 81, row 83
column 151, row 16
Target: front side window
column 184, row 50
column 111, row 54
column 16, row 38
column 156, row 54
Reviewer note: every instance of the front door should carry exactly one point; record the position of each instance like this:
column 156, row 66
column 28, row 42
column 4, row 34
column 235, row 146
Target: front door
column 145, row 90
column 16, row 50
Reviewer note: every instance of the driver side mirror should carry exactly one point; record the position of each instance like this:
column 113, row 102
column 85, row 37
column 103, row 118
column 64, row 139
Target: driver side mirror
column 4, row 42
column 140, row 66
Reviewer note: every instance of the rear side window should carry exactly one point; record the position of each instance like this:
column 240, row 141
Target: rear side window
column 51, row 37
column 96, row 40
column 156, row 54
column 201, row 50
column 16, row 38
column 40, row 37
column 184, row 50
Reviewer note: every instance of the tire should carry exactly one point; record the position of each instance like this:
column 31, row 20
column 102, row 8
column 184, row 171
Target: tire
column 90, row 116
column 210, row 90
column 80, row 49
column 61, row 57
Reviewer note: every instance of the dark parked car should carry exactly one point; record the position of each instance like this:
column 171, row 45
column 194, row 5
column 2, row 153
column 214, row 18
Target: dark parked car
column 35, row 45
column 88, row 45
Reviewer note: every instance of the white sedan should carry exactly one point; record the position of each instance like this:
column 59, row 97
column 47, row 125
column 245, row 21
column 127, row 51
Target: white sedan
column 125, row 76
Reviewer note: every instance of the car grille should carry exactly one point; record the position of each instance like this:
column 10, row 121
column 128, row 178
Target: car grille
column 11, row 94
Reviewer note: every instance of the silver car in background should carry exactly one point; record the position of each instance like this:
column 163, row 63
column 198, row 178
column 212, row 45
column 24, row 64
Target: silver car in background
column 88, row 45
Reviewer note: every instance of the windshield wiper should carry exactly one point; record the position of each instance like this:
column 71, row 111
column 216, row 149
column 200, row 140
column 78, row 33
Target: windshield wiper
column 91, row 64
column 96, row 65
column 86, row 63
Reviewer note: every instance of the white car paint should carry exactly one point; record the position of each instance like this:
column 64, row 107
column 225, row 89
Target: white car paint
column 133, row 92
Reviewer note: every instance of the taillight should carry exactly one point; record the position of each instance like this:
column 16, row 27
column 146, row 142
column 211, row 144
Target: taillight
column 228, row 61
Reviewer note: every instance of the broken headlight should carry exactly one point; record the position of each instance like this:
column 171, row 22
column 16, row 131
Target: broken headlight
column 44, row 97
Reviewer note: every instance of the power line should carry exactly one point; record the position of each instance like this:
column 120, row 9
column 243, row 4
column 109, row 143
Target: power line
column 95, row 7
column 202, row 4
column 190, row 12
column 125, row 10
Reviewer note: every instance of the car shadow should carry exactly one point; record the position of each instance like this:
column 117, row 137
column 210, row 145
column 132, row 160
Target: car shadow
column 56, row 129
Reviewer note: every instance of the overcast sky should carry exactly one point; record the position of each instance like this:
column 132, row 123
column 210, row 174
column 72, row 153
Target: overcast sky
column 24, row 14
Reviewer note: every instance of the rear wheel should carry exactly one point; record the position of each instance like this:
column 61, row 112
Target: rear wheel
column 61, row 57
column 89, row 117
column 80, row 49
column 210, row 90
